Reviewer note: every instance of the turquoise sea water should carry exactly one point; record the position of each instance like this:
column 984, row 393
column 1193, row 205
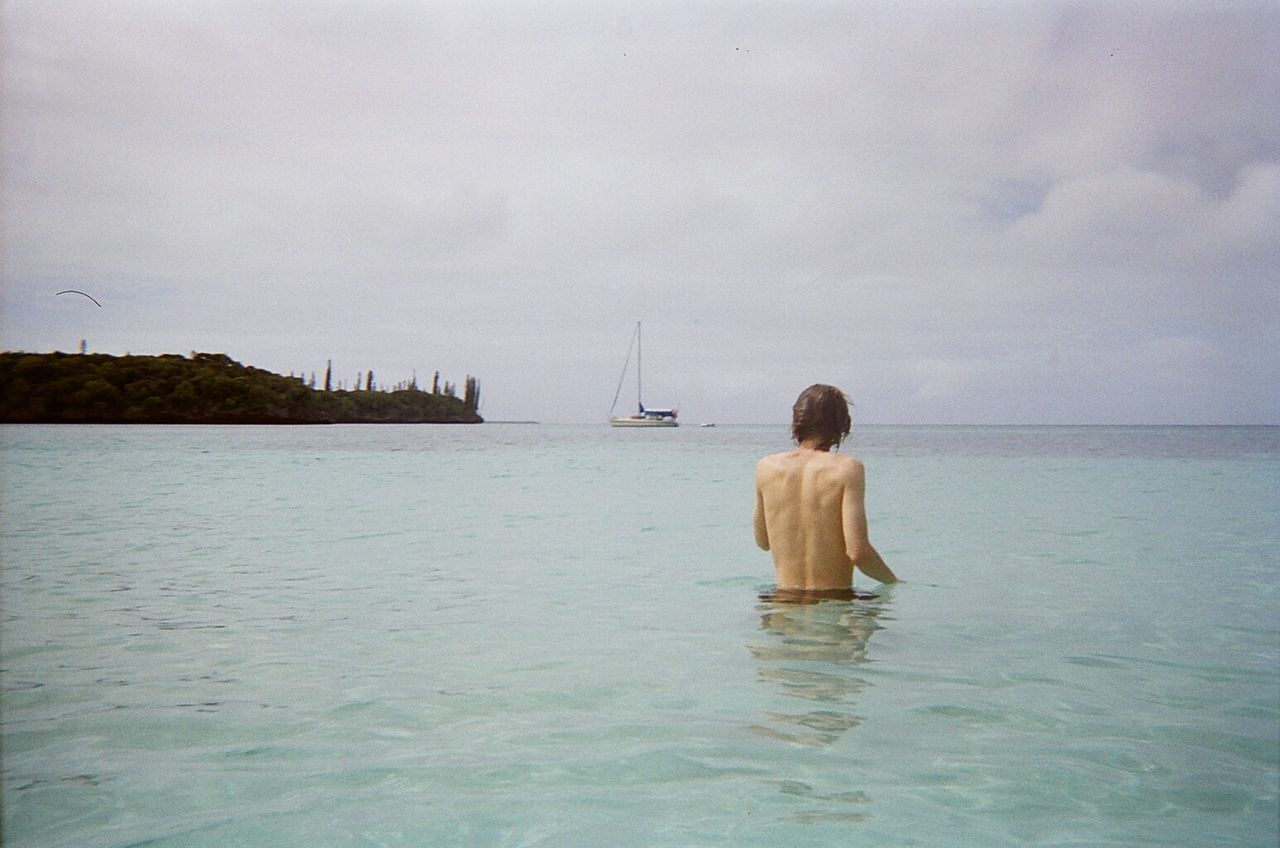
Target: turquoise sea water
column 511, row 635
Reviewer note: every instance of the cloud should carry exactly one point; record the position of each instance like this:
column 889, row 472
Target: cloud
column 924, row 202
column 948, row 379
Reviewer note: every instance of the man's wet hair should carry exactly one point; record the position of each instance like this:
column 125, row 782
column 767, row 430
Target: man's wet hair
column 821, row 412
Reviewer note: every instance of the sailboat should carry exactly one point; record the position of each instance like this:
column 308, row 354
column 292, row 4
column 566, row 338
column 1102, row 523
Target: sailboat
column 643, row 417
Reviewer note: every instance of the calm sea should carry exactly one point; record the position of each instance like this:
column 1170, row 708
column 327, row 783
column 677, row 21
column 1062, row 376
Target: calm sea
column 507, row 635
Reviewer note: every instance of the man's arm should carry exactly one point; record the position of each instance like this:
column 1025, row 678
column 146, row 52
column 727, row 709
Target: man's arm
column 857, row 544
column 762, row 531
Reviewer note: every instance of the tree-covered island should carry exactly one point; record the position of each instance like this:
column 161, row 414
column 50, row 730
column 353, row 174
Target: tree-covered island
column 207, row 388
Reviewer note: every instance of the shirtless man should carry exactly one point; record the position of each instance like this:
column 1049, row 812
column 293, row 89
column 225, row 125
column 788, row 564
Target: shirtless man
column 810, row 508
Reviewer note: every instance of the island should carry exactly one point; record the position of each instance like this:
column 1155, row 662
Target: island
column 209, row 388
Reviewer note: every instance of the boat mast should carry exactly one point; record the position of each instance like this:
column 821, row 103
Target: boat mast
column 622, row 378
column 639, row 396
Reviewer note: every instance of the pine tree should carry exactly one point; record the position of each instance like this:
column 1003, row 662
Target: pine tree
column 328, row 375
column 471, row 394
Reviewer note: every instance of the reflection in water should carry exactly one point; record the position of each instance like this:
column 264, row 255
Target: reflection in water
column 812, row 643
column 808, row 650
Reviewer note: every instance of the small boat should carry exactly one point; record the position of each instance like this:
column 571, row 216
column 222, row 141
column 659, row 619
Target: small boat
column 707, row 424
column 643, row 417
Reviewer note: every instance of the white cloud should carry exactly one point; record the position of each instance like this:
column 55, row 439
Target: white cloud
column 947, row 379
column 956, row 212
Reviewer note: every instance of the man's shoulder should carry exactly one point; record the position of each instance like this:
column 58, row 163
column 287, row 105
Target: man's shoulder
column 771, row 463
column 848, row 463
column 843, row 466
column 846, row 460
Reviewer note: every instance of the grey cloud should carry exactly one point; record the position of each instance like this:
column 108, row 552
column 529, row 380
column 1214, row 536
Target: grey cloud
column 965, row 212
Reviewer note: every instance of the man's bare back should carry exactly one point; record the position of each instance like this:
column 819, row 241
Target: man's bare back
column 810, row 513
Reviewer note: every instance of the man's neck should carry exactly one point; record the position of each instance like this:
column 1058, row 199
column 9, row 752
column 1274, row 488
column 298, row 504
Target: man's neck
column 815, row 445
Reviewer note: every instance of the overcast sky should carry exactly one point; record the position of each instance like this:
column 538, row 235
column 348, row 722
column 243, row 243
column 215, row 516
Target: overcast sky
column 958, row 212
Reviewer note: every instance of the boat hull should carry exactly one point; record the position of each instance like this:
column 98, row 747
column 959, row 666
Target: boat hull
column 643, row 422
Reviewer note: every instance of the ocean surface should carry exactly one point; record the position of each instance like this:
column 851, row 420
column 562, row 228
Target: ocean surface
column 507, row 635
